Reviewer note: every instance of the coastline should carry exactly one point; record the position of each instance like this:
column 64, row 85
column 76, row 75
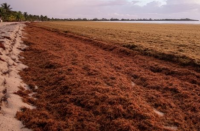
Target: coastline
column 10, row 80
column 82, row 84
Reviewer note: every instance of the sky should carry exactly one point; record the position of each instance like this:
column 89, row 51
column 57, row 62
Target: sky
column 132, row 9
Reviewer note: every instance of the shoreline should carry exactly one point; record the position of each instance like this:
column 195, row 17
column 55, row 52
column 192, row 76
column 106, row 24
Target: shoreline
column 10, row 81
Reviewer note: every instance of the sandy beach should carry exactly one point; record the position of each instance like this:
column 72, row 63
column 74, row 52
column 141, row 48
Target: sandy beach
column 10, row 81
column 106, row 65
column 70, row 82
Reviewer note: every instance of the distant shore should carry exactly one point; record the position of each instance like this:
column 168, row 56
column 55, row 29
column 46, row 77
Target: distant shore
column 156, row 22
column 116, row 19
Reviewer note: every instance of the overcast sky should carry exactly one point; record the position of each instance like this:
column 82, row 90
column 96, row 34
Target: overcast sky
column 109, row 8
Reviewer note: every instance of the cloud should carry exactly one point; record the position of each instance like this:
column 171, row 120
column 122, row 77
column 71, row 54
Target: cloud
column 135, row 1
column 183, row 1
column 174, row 8
column 114, row 3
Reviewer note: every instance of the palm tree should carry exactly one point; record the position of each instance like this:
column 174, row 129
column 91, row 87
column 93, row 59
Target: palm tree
column 6, row 7
column 19, row 16
column 2, row 13
column 25, row 15
column 7, row 11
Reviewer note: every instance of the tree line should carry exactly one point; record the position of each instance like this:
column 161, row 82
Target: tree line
column 7, row 14
column 116, row 19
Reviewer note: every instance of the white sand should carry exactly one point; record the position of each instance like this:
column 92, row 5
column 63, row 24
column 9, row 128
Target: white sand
column 10, row 37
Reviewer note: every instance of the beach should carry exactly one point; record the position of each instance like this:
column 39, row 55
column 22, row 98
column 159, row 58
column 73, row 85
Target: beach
column 59, row 80
column 10, row 80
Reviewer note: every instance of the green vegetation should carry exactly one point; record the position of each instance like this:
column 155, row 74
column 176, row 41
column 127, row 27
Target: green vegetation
column 6, row 14
column 173, row 42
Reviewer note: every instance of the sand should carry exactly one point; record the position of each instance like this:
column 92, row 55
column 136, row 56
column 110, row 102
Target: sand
column 10, row 81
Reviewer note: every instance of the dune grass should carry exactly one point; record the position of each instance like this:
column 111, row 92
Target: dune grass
column 175, row 42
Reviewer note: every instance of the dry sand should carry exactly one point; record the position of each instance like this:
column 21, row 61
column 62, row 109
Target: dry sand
column 10, row 48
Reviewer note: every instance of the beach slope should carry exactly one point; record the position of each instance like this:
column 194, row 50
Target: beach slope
column 10, row 81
